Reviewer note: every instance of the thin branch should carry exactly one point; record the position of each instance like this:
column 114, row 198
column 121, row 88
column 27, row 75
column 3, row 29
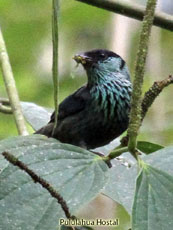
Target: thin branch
column 115, row 153
column 13, row 160
column 5, row 109
column 132, row 10
column 55, row 11
column 11, row 88
column 4, row 101
column 5, row 106
column 135, row 113
column 154, row 92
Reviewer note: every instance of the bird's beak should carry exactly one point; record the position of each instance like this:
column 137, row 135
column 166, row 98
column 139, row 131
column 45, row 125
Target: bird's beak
column 81, row 58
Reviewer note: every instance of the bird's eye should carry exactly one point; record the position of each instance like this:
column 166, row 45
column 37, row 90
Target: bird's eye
column 102, row 55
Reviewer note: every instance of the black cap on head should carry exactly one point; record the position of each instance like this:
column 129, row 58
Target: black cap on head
column 93, row 56
column 100, row 54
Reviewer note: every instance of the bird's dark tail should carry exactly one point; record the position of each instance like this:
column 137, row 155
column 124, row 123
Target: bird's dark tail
column 46, row 130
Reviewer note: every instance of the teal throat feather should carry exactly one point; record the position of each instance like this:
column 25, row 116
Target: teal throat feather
column 110, row 93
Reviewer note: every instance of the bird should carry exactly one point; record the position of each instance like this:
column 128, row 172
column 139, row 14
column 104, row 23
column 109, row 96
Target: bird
column 98, row 111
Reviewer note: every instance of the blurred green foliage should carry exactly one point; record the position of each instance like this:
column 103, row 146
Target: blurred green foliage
column 26, row 27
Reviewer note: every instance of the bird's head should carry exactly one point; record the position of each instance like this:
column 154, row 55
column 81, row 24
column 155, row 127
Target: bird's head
column 102, row 61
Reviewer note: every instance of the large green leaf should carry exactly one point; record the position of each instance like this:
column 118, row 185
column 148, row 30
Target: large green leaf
column 153, row 203
column 121, row 187
column 78, row 175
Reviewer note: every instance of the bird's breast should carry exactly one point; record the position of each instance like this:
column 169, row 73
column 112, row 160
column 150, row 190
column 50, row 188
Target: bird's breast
column 112, row 100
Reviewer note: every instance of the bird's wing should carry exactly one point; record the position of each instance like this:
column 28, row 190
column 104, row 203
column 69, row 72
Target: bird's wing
column 72, row 104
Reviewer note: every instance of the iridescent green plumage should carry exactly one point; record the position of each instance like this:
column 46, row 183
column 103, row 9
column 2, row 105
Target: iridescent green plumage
column 98, row 112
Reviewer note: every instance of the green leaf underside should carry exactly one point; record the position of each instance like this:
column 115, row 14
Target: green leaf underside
column 148, row 147
column 78, row 175
column 121, row 186
column 153, row 202
column 37, row 116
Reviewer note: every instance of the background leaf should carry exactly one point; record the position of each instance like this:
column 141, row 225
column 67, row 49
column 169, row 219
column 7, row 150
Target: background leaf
column 107, row 148
column 78, row 175
column 36, row 115
column 148, row 147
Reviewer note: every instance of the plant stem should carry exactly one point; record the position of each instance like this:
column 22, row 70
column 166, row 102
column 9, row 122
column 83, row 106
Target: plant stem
column 135, row 114
column 11, row 88
column 5, row 106
column 4, row 101
column 132, row 10
column 55, row 10
column 115, row 153
column 5, row 109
